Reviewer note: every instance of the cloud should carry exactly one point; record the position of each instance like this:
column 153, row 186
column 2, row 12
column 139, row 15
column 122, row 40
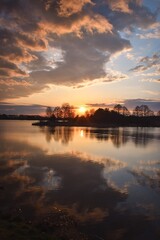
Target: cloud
column 69, row 7
column 131, row 14
column 14, row 51
column 151, row 92
column 152, row 33
column 130, row 56
column 113, row 75
column 19, row 88
column 148, row 63
column 78, row 66
column 152, row 104
column 85, row 38
column 120, row 6
column 97, row 105
column 109, row 77
column 12, row 82
column 151, row 74
column 129, row 103
column 139, row 68
column 78, row 25
column 155, row 80
column 9, row 69
column 7, row 108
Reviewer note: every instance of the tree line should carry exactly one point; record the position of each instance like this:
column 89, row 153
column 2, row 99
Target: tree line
column 118, row 116
column 69, row 111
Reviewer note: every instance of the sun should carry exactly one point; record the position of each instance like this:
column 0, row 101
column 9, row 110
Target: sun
column 82, row 110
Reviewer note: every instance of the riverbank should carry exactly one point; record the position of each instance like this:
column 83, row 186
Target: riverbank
column 97, row 125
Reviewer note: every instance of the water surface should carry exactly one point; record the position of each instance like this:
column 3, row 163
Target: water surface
column 108, row 179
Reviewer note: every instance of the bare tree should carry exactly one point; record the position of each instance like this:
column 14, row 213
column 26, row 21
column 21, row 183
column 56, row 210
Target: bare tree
column 49, row 112
column 143, row 111
column 126, row 112
column 137, row 111
column 150, row 113
column 90, row 112
column 65, row 111
column 118, row 108
column 121, row 110
column 58, row 112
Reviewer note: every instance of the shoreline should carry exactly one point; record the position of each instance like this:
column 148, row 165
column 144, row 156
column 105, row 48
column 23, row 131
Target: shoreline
column 92, row 125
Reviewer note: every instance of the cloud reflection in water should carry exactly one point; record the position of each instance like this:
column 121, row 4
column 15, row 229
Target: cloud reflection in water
column 98, row 190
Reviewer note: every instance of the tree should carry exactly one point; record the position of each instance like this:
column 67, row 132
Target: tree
column 125, row 111
column 150, row 113
column 99, row 115
column 118, row 108
column 65, row 111
column 143, row 111
column 121, row 110
column 158, row 113
column 57, row 112
column 49, row 112
column 89, row 113
column 137, row 111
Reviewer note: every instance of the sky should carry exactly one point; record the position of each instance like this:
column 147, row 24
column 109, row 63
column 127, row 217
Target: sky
column 93, row 53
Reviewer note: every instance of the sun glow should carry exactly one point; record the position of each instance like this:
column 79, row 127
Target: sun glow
column 81, row 133
column 82, row 110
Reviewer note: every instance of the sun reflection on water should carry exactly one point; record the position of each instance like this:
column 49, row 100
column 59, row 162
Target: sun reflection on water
column 82, row 133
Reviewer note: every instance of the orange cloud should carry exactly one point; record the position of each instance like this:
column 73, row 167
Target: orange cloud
column 12, row 82
column 90, row 23
column 98, row 23
column 69, row 7
column 9, row 69
column 121, row 5
column 86, row 36
column 24, row 57
column 34, row 42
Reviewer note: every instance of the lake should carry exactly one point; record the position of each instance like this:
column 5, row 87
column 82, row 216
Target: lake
column 108, row 179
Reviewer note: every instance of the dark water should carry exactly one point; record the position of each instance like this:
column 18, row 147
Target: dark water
column 107, row 179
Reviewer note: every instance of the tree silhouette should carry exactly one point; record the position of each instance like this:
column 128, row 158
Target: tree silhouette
column 49, row 112
column 118, row 108
column 89, row 113
column 58, row 112
column 137, row 111
column 65, row 111
column 119, row 116
column 121, row 110
column 125, row 111
column 143, row 111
